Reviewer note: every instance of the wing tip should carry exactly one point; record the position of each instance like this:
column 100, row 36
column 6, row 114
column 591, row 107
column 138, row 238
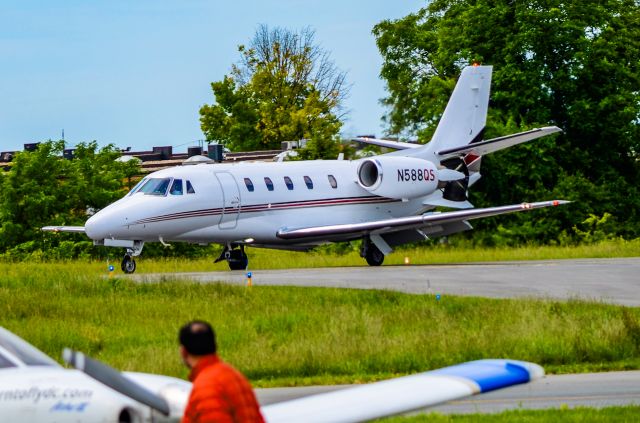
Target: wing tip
column 492, row 374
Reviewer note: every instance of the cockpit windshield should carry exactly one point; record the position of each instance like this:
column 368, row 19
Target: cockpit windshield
column 136, row 188
column 155, row 186
column 11, row 346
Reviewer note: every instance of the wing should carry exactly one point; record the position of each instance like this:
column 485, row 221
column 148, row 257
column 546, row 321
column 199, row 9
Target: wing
column 364, row 402
column 75, row 229
column 489, row 146
column 396, row 145
column 433, row 222
column 404, row 394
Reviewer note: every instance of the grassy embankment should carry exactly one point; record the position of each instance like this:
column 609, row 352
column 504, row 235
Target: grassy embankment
column 581, row 414
column 296, row 336
column 437, row 254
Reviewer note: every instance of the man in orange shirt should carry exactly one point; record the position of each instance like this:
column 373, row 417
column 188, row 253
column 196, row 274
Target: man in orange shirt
column 220, row 393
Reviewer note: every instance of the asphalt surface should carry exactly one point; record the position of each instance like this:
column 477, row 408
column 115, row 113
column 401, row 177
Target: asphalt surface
column 614, row 281
column 608, row 280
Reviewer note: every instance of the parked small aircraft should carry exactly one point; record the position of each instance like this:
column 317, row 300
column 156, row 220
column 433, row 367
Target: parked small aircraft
column 385, row 200
column 34, row 388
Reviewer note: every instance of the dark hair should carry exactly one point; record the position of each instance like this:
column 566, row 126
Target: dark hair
column 198, row 338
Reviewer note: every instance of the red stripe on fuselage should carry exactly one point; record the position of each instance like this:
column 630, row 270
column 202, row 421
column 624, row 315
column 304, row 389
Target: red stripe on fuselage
column 266, row 207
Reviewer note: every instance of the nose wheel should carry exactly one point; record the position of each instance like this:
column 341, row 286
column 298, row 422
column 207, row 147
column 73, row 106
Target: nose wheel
column 128, row 264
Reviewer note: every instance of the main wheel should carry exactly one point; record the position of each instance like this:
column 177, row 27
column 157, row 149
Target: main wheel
column 374, row 256
column 237, row 260
column 128, row 264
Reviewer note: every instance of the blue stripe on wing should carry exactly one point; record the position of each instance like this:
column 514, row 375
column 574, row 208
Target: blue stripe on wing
column 490, row 374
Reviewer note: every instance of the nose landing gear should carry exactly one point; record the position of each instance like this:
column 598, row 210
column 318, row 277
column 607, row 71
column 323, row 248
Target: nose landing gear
column 128, row 264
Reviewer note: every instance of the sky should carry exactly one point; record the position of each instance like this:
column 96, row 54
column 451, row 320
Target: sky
column 136, row 72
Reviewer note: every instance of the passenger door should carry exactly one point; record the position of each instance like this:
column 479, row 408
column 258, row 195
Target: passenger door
column 230, row 200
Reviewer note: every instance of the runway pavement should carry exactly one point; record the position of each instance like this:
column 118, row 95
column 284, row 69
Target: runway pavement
column 590, row 390
column 609, row 280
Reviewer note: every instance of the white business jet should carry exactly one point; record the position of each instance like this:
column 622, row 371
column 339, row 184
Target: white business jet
column 34, row 388
column 386, row 200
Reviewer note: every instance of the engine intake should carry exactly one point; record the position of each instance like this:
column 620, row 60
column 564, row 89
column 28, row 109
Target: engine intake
column 398, row 177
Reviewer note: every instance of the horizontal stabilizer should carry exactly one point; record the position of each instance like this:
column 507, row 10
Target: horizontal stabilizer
column 75, row 229
column 411, row 222
column 404, row 394
column 396, row 145
column 489, row 146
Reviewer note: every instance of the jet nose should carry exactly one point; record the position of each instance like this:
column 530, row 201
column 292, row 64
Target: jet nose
column 95, row 227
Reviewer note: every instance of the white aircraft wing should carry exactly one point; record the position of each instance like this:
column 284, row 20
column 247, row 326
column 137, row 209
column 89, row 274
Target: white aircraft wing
column 396, row 145
column 411, row 222
column 404, row 394
column 489, row 146
column 75, row 229
column 356, row 404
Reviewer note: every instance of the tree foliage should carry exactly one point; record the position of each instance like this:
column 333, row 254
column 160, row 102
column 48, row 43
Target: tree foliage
column 284, row 88
column 575, row 64
column 43, row 189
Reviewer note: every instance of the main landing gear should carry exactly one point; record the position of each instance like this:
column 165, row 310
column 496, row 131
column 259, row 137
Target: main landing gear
column 235, row 256
column 371, row 253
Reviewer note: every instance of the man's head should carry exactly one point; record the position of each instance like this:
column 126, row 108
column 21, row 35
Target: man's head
column 197, row 339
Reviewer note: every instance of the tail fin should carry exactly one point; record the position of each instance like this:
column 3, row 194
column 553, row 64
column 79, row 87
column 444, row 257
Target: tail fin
column 465, row 116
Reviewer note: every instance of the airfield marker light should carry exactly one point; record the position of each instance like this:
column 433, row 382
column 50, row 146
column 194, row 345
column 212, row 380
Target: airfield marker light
column 249, row 274
column 437, row 297
column 111, row 269
column 406, row 260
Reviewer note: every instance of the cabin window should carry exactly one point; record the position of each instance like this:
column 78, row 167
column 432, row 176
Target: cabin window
column 288, row 182
column 308, row 182
column 156, row 186
column 249, row 184
column 268, row 183
column 332, row 181
column 190, row 189
column 176, row 187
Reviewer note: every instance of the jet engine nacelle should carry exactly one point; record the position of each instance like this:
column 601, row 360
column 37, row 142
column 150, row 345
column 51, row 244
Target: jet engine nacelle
column 398, row 177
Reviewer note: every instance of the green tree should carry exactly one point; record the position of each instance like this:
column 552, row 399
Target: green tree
column 43, row 189
column 285, row 88
column 575, row 64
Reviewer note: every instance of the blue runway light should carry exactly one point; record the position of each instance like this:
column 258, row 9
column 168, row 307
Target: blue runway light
column 248, row 274
column 111, row 268
column 437, row 297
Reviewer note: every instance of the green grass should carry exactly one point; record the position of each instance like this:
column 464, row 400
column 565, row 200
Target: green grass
column 579, row 414
column 432, row 254
column 299, row 336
